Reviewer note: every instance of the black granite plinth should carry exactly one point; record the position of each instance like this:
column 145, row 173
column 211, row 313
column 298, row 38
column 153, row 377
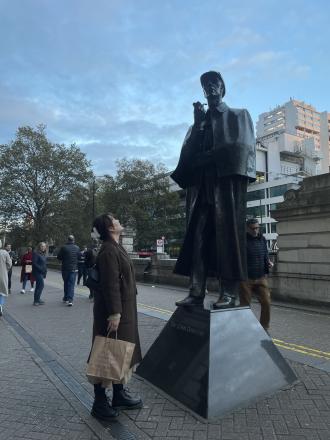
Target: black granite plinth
column 213, row 361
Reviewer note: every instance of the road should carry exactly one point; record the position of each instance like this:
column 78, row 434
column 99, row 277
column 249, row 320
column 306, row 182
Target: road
column 302, row 332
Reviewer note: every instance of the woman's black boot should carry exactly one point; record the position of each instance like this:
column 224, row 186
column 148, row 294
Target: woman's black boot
column 123, row 400
column 101, row 408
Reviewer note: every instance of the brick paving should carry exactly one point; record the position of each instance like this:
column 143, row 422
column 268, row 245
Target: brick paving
column 297, row 413
column 300, row 412
column 31, row 407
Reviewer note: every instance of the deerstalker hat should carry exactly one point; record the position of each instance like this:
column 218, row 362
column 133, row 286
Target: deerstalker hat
column 213, row 75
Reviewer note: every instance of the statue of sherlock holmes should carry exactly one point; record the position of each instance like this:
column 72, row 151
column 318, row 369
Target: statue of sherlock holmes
column 216, row 163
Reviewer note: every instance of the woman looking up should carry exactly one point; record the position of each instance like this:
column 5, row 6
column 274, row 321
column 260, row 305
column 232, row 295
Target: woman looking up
column 115, row 311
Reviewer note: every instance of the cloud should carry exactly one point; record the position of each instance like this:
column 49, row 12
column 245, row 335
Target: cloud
column 136, row 139
column 241, row 37
column 119, row 78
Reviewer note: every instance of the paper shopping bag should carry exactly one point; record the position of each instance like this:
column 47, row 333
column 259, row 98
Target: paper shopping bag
column 28, row 268
column 110, row 359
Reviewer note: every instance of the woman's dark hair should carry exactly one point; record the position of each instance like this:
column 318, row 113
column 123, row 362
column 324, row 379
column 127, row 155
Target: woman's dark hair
column 102, row 224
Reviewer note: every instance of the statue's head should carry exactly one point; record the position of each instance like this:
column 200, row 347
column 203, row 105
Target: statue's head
column 213, row 86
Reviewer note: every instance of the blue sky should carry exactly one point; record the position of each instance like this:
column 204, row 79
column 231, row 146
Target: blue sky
column 118, row 77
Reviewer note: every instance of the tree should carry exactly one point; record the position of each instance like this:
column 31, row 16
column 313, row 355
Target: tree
column 139, row 195
column 77, row 216
column 37, row 179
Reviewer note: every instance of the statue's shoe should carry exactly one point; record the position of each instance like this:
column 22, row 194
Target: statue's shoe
column 190, row 301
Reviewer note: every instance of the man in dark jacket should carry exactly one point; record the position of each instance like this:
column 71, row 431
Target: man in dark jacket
column 217, row 160
column 258, row 264
column 90, row 260
column 69, row 254
column 82, row 272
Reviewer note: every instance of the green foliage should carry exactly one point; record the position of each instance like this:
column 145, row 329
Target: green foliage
column 139, row 195
column 42, row 184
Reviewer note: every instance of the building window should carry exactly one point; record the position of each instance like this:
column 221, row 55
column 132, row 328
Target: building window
column 272, row 227
column 260, row 177
column 256, row 195
column 276, row 191
column 256, row 211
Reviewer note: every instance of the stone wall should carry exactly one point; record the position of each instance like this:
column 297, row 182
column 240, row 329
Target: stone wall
column 303, row 261
column 159, row 270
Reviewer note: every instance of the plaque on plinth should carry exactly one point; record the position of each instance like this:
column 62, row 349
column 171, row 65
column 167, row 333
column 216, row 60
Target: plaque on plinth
column 213, row 361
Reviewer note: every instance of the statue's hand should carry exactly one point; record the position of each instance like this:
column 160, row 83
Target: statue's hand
column 199, row 113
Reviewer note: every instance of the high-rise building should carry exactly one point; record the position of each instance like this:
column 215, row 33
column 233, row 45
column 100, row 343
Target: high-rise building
column 325, row 134
column 297, row 135
column 293, row 142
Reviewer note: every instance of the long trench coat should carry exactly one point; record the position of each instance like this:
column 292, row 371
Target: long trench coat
column 26, row 260
column 232, row 162
column 117, row 295
column 5, row 265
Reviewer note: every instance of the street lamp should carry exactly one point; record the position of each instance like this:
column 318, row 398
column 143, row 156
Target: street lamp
column 94, row 191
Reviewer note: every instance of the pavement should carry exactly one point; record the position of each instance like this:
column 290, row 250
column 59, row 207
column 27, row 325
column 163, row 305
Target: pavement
column 44, row 393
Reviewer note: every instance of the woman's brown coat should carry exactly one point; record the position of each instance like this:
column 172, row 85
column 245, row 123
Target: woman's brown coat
column 117, row 295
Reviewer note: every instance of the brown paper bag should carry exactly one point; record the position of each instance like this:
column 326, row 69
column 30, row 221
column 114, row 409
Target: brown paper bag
column 110, row 359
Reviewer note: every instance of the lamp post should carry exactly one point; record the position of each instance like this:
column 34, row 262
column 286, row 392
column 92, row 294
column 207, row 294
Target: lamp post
column 94, row 192
column 93, row 198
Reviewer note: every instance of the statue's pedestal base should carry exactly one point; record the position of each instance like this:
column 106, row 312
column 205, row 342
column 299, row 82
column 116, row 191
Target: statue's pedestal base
column 213, row 361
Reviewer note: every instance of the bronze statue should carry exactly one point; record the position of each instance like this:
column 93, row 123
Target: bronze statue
column 217, row 160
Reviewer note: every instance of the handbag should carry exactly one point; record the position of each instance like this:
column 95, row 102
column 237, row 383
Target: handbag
column 28, row 268
column 93, row 279
column 110, row 359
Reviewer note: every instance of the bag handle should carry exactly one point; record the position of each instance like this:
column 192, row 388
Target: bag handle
column 108, row 334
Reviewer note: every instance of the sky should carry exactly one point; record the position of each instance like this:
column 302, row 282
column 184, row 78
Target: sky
column 118, row 77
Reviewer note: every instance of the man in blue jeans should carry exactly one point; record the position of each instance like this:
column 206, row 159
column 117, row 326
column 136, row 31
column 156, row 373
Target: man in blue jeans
column 69, row 254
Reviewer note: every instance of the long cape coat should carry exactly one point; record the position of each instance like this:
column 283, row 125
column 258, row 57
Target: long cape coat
column 5, row 265
column 233, row 156
column 117, row 295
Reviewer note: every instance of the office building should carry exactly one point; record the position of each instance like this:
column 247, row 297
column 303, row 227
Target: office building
column 292, row 143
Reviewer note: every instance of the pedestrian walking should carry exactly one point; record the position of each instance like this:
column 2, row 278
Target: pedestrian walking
column 258, row 264
column 39, row 271
column 90, row 260
column 5, row 265
column 115, row 312
column 26, row 272
column 10, row 271
column 82, row 272
column 68, row 255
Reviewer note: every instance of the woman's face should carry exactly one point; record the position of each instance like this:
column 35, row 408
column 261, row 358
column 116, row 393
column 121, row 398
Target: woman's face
column 43, row 247
column 116, row 226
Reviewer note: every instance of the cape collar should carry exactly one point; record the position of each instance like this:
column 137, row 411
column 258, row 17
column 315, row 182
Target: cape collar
column 222, row 107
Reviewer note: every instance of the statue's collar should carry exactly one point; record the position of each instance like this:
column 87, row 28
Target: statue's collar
column 221, row 108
